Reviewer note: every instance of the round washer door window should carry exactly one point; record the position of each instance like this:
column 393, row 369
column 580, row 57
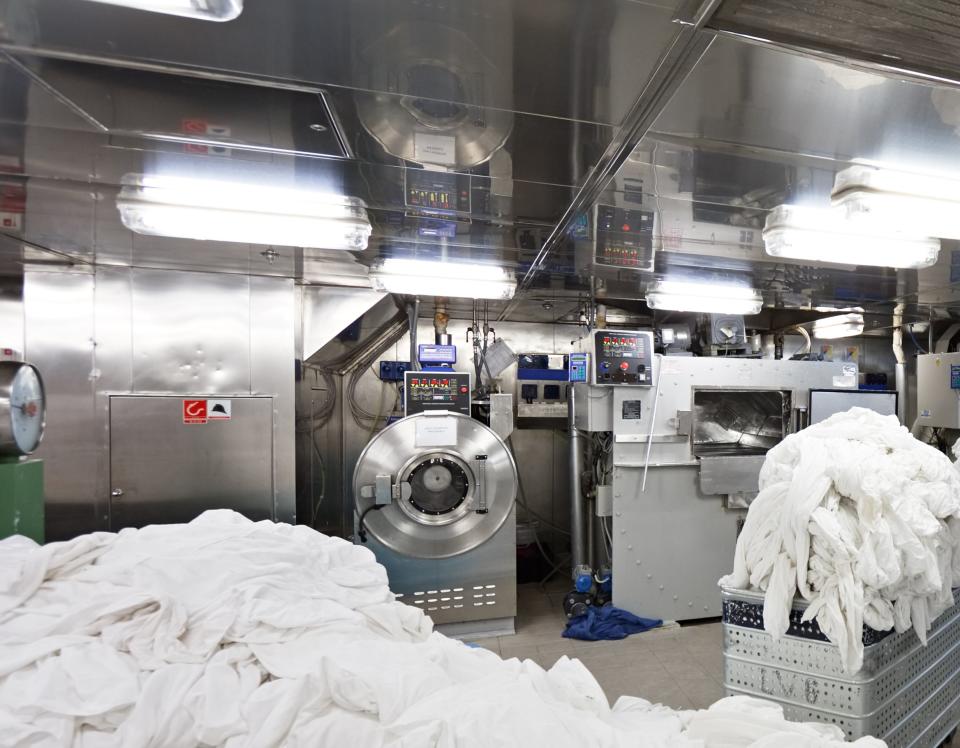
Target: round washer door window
column 437, row 486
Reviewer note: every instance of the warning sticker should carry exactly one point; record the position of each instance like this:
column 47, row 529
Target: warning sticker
column 194, row 411
column 218, row 410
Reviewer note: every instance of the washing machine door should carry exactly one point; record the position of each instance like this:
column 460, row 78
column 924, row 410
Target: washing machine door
column 451, row 480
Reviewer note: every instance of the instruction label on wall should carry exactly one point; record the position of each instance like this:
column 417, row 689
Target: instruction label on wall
column 202, row 411
column 435, row 431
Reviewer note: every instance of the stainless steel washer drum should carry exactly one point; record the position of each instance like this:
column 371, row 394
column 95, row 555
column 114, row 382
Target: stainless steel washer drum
column 447, row 499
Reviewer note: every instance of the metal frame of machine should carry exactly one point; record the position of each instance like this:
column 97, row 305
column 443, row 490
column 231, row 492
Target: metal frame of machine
column 436, row 492
column 678, row 505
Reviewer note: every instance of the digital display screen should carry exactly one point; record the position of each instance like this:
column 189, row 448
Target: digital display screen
column 623, row 347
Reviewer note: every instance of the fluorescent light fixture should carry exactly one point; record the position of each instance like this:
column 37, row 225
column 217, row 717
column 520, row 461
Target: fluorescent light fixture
column 703, row 296
column 207, row 10
column 237, row 212
column 826, row 235
column 841, row 326
column 893, row 199
column 469, row 280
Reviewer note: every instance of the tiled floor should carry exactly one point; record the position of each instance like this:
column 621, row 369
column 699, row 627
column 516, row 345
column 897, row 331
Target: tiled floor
column 681, row 667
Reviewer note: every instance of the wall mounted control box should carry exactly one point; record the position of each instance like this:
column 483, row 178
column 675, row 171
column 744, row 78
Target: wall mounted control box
column 623, row 357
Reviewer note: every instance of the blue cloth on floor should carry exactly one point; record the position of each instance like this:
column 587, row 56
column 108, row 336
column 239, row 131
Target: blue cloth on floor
column 607, row 623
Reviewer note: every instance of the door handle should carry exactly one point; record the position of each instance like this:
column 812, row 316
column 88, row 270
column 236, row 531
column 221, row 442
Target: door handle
column 116, row 493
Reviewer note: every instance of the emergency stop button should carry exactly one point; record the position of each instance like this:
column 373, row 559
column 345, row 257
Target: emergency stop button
column 624, row 365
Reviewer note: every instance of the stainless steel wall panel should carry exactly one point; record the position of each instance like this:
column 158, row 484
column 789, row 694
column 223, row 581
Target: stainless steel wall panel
column 58, row 309
column 191, row 332
column 670, row 544
column 124, row 331
column 162, row 470
column 273, row 322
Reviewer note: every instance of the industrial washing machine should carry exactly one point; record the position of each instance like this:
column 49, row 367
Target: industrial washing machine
column 445, row 529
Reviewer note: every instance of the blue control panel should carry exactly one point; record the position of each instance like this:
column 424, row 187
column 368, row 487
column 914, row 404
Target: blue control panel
column 430, row 353
column 954, row 377
column 578, row 368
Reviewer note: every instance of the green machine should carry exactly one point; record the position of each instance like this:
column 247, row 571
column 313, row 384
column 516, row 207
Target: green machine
column 22, row 418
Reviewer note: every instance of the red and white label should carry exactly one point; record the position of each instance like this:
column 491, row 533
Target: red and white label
column 204, row 130
column 194, row 411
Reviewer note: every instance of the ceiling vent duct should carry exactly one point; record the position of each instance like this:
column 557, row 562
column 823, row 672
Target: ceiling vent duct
column 436, row 116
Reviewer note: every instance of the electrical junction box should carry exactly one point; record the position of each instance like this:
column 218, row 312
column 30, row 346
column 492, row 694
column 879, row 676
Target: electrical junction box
column 393, row 371
column 938, row 390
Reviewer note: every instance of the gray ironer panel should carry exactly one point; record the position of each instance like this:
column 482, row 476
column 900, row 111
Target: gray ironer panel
column 163, row 470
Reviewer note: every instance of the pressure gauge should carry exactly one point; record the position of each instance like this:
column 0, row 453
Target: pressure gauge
column 23, row 408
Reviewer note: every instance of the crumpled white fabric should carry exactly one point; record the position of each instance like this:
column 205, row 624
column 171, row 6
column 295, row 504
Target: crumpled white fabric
column 861, row 520
column 227, row 632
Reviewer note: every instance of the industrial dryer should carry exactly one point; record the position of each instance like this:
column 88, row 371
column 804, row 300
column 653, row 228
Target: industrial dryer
column 434, row 495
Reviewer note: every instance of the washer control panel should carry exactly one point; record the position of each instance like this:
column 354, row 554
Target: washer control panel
column 435, row 390
column 623, row 357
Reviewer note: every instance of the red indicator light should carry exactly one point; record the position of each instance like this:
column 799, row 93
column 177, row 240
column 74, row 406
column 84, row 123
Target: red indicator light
column 463, row 390
column 626, row 227
column 445, row 382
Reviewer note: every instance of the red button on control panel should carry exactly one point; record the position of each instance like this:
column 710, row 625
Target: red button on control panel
column 624, row 365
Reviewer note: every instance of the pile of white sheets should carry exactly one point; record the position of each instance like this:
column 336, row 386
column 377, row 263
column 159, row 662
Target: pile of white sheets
column 860, row 519
column 235, row 633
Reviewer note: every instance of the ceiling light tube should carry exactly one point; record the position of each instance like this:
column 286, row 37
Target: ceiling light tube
column 443, row 278
column 892, row 199
column 207, row 10
column 705, row 297
column 826, row 235
column 208, row 209
column 841, row 326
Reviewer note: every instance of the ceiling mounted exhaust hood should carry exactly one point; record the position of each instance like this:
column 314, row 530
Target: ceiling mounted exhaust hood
column 802, row 232
column 207, row 10
column 207, row 209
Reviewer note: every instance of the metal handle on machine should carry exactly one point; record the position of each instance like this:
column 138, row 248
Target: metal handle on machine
column 481, row 473
column 116, row 493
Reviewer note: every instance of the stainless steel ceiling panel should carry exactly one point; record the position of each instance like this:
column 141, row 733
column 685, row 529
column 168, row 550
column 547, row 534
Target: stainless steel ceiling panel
column 576, row 59
column 751, row 95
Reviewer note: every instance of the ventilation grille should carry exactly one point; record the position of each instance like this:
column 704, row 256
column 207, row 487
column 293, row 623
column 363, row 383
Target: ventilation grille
column 475, row 596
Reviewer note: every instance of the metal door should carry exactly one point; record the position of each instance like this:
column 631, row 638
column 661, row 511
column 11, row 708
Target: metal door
column 163, row 470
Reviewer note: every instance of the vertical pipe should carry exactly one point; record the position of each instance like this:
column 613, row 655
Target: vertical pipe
column 413, row 311
column 577, row 539
column 591, row 535
column 900, row 372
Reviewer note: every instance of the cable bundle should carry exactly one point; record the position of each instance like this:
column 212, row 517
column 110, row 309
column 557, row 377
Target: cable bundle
column 861, row 520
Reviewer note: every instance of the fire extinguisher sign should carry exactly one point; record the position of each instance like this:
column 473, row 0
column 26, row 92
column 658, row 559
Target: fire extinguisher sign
column 194, row 411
